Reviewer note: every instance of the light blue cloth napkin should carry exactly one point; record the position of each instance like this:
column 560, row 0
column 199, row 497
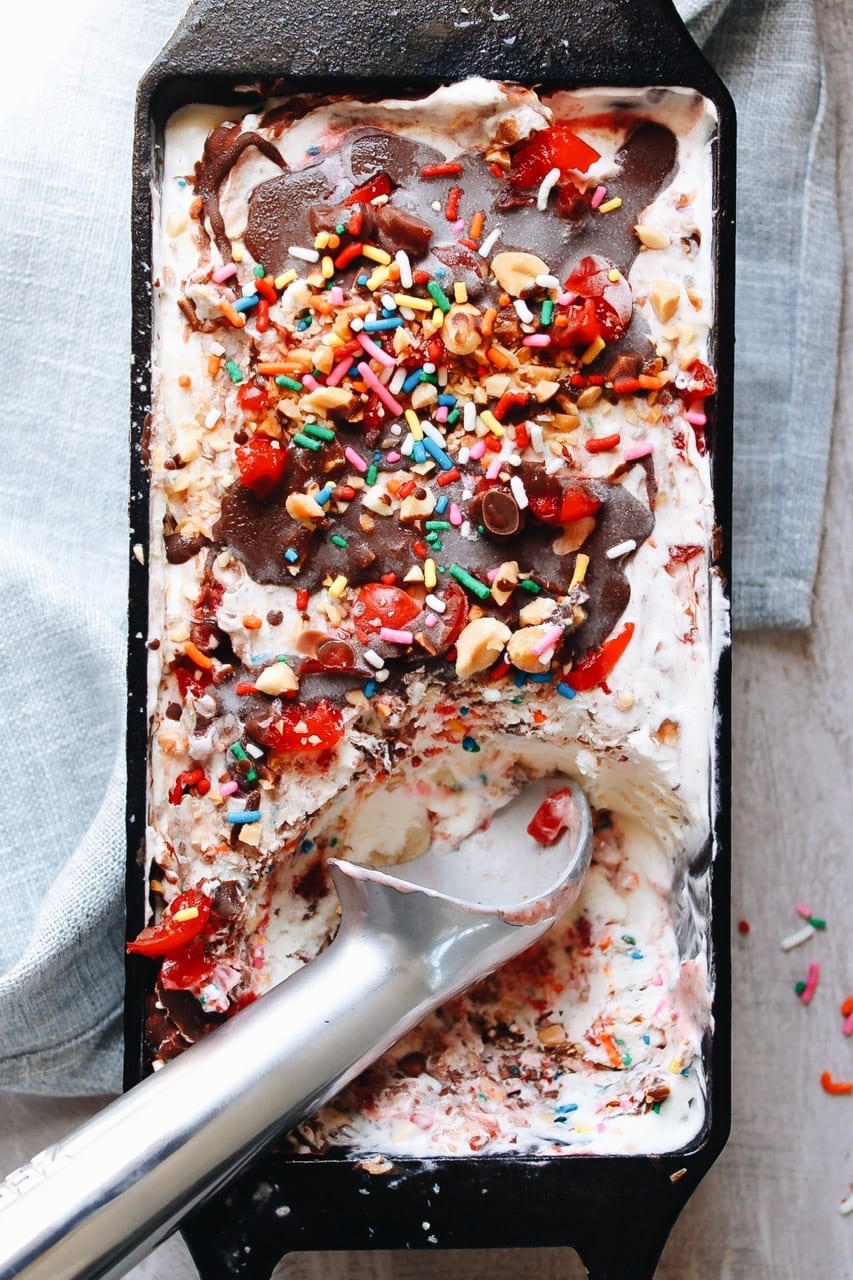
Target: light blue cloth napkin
column 65, row 142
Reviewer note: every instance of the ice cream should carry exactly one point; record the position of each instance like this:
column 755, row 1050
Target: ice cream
column 432, row 514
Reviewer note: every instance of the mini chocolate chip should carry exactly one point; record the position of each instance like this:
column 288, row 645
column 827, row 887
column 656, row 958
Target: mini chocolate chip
column 173, row 711
column 500, row 514
column 275, row 617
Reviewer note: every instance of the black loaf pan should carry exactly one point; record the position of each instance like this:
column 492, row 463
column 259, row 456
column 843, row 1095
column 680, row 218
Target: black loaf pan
column 616, row 1211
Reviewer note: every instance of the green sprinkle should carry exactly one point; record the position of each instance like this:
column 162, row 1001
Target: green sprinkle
column 317, row 373
column 437, row 524
column 372, row 473
column 432, row 539
column 292, row 385
column 547, row 313
column 533, row 587
column 799, row 987
column 816, row 922
column 237, row 750
column 468, row 580
column 259, row 271
column 437, row 545
column 626, row 1061
column 338, row 540
column 438, row 295
column 453, row 416
column 656, row 1108
column 307, row 442
column 235, row 373
column 319, row 433
column 629, row 940
column 339, row 231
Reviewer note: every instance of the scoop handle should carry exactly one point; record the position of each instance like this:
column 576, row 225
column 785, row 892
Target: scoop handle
column 94, row 1204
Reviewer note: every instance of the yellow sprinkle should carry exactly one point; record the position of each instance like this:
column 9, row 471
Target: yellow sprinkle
column 327, row 267
column 375, row 254
column 321, row 240
column 594, row 349
column 437, row 318
column 287, row 277
column 492, row 423
column 414, row 424
column 460, row 291
column 614, row 275
column 581, row 566
column 237, row 252
column 334, row 340
column 610, row 205
column 188, row 913
column 430, row 578
column 416, row 304
column 339, row 586
column 675, row 1067
column 379, row 278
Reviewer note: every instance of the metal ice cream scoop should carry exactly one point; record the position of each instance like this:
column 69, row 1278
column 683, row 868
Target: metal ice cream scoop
column 95, row 1203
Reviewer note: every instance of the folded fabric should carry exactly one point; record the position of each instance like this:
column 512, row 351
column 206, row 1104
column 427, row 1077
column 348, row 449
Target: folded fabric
column 65, row 142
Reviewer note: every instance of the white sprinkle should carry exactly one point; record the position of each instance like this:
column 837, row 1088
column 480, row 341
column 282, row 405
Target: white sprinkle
column 374, row 659
column 491, row 695
column 402, row 260
column 469, row 416
column 512, row 459
column 548, row 182
column 396, row 383
column 406, row 312
column 621, row 549
column 537, row 440
column 518, row 492
column 523, row 312
column 798, row 938
column 433, row 602
column 431, row 430
column 463, row 455
column 388, row 302
column 547, row 282
column 396, row 429
column 382, row 676
column 407, row 446
column 217, row 349
column 139, row 552
column 553, row 465
column 442, row 376
column 428, row 367
column 356, row 324
column 304, row 255
column 211, row 418
column 465, row 529
column 490, row 242
column 846, row 1206
column 436, row 205
column 253, row 751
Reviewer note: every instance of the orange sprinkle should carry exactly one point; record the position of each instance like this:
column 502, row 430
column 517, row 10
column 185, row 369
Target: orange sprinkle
column 500, row 358
column 394, row 271
column 490, row 315
column 185, row 381
column 195, row 655
column 561, row 321
column 650, row 383
column 477, row 224
column 214, row 364
column 609, row 1045
column 274, row 368
column 836, row 1087
column 504, row 300
column 334, row 241
column 847, row 1007
column 196, row 209
column 251, row 622
column 233, row 317
column 604, row 944
column 393, row 486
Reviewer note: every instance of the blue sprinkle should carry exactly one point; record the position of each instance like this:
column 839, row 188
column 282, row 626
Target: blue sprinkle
column 541, row 677
column 370, row 689
column 559, row 1119
column 435, row 451
column 442, row 505
column 306, row 846
column 390, row 311
column 246, row 304
column 441, row 272
column 412, row 381
column 419, row 453
column 647, row 1039
column 248, row 815
column 469, row 743
column 520, row 679
column 636, row 955
column 313, row 150
column 686, row 1071
column 305, row 323
column 565, row 690
column 566, row 1108
column 447, row 400
column 362, row 279
column 464, row 711
column 291, row 555
column 182, row 182
column 377, row 326
column 354, row 372
column 377, row 456
column 324, row 497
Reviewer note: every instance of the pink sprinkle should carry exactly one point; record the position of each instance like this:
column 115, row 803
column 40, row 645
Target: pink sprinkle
column 602, row 1128
column 638, row 451
column 383, row 393
column 695, row 419
column 477, row 450
column 339, row 372
column 355, row 459
column 493, row 573
column 536, row 340
column 376, row 351
column 228, row 788
column 597, row 196
column 454, row 515
column 391, row 636
column 457, row 226
column 224, row 273
column 804, row 911
column 336, row 296
column 310, row 382
column 565, row 299
column 441, row 413
column 657, row 980
column 393, row 456
column 430, row 620
column 811, row 982
column 494, row 468
column 848, row 1026
column 548, row 641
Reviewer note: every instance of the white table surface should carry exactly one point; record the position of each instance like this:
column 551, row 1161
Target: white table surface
column 769, row 1208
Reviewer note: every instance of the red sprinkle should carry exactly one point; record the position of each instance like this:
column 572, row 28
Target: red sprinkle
column 388, row 579
column 302, row 598
column 497, row 170
column 578, row 380
column 468, row 243
column 596, row 379
column 447, row 477
column 451, row 209
column 243, row 690
column 406, row 489
column 509, row 400
column 743, row 926
column 262, row 315
column 499, row 670
column 344, row 493
column 266, row 289
column 448, row 170
column 838, row 1088
column 420, row 277
column 603, row 443
column 348, row 255
column 522, row 436
column 847, row 1007
column 355, row 223
column 421, row 550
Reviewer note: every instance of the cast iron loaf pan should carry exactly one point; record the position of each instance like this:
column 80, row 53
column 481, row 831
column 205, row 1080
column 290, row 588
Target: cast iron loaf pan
column 616, row 1211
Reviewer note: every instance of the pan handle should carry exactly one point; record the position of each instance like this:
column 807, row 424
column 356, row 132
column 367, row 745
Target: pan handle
column 90, row 1207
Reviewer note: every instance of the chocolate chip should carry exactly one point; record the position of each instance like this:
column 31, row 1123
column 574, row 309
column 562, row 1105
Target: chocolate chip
column 500, row 514
column 275, row 617
column 173, row 711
